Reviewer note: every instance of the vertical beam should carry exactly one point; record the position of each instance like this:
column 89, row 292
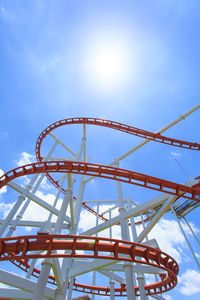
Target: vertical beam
column 94, row 272
column 139, row 276
column 192, row 231
column 112, row 290
column 66, row 264
column 69, row 294
column 60, row 219
column 126, row 237
column 84, row 135
column 187, row 241
column 42, row 280
column 47, row 263
column 11, row 214
column 110, row 228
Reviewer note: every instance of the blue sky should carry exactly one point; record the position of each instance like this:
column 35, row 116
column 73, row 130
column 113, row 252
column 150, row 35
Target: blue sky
column 46, row 52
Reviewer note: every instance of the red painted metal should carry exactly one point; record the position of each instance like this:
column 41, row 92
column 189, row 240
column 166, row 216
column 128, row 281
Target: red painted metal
column 20, row 248
column 102, row 171
column 157, row 137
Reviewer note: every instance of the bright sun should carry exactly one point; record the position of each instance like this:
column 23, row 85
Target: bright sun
column 107, row 66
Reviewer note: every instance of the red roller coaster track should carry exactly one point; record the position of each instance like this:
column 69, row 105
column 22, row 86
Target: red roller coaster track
column 15, row 249
column 20, row 248
column 102, row 171
column 157, row 137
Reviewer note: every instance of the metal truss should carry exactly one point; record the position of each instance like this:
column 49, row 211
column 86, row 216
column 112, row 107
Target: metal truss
column 122, row 264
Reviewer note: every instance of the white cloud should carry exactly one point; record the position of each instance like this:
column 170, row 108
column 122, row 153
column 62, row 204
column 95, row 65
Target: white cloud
column 7, row 16
column 25, row 159
column 45, row 185
column 88, row 220
column 170, row 238
column 35, row 212
column 175, row 154
column 2, row 9
column 190, row 282
column 167, row 297
column 5, row 208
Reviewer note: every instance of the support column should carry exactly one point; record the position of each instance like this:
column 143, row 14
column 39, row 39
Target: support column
column 11, row 214
column 47, row 264
column 110, row 228
column 139, row 276
column 42, row 281
column 69, row 294
column 112, row 290
column 66, row 264
column 125, row 236
column 63, row 210
column 187, row 241
column 192, row 231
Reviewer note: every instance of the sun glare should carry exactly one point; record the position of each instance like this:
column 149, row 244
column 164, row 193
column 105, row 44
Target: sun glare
column 107, row 66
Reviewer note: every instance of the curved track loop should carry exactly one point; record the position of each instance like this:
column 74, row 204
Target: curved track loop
column 113, row 173
column 157, row 137
column 20, row 248
column 15, row 249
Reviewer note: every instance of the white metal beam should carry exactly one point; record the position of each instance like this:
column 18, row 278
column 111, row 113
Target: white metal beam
column 23, row 283
column 113, row 276
column 82, row 267
column 36, row 199
column 26, row 223
column 129, row 214
column 15, row 294
column 62, row 144
column 135, row 268
column 165, row 207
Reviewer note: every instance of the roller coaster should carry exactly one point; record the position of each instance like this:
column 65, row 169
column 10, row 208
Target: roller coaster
column 52, row 259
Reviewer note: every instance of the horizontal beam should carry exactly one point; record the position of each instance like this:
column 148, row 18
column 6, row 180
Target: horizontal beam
column 23, row 283
column 15, row 294
column 113, row 276
column 135, row 268
column 82, row 267
column 139, row 209
column 39, row 224
column 129, row 214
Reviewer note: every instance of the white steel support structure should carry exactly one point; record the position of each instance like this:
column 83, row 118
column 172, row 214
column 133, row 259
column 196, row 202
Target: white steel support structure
column 63, row 218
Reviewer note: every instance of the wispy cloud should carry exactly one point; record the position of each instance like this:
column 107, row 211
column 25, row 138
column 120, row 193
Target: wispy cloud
column 175, row 154
column 25, row 159
column 190, row 282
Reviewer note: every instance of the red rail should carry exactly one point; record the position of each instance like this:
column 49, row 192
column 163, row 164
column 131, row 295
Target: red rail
column 157, row 137
column 102, row 171
column 20, row 248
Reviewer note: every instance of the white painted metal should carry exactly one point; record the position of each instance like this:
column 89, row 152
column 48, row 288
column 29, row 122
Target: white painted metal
column 71, row 268
column 192, row 231
column 186, row 239
column 112, row 290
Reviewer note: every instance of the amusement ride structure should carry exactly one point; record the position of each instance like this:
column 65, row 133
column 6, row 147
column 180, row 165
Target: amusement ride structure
column 55, row 260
